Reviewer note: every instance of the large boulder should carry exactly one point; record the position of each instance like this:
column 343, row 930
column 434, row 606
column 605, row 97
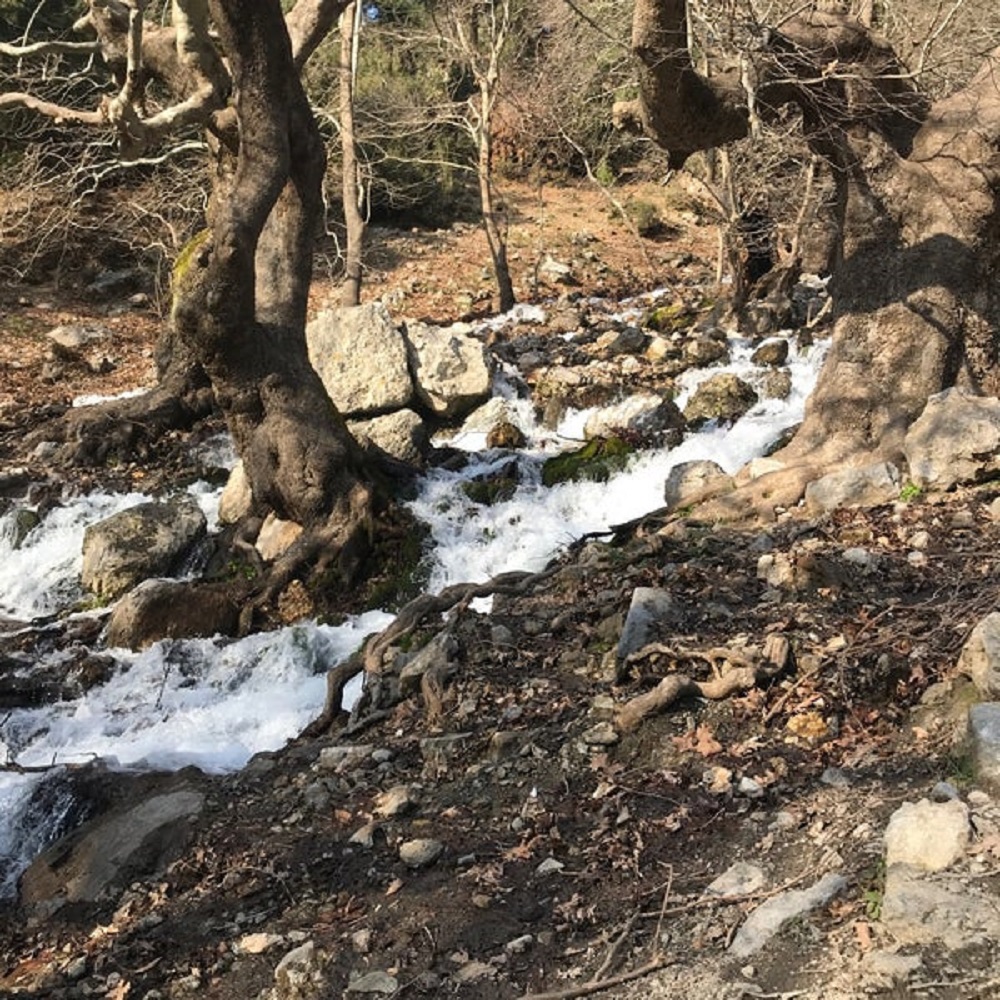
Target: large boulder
column 135, row 544
column 955, row 440
column 862, row 487
column 171, row 609
column 645, row 418
column 724, row 397
column 450, row 368
column 361, row 357
column 692, row 482
column 980, row 656
column 103, row 856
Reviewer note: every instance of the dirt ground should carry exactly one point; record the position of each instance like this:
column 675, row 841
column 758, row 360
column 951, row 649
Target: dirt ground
column 571, row 863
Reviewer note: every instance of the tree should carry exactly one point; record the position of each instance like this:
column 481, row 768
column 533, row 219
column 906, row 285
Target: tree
column 232, row 68
column 350, row 28
column 914, row 269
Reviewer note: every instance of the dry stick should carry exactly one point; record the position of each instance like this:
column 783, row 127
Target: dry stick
column 783, row 700
column 590, row 988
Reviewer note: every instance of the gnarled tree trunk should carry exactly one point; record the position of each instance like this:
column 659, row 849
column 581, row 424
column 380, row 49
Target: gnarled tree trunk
column 914, row 285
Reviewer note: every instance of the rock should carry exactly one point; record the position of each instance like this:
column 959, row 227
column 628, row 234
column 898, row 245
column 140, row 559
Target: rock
column 550, row 866
column 918, row 910
column 135, row 544
column 863, row 487
column 955, row 440
column 257, row 944
column 764, row 922
column 299, row 975
column 556, row 272
column 420, row 853
column 772, row 353
column 171, row 609
column 374, row 982
column 595, row 462
column 722, row 397
column 691, row 482
column 396, row 801
column 984, row 730
column 623, row 340
column 891, row 966
column 450, row 369
column 740, row 879
column 276, row 537
column 69, row 343
column 650, row 609
column 944, row 791
column 703, row 351
column 361, row 358
column 401, row 434
column 340, row 758
column 109, row 852
column 928, row 836
column 980, row 656
column 237, row 497
column 645, row 417
column 506, row 434
column 776, row 384
column 602, row 735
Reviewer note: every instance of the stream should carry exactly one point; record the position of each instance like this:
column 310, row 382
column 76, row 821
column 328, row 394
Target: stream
column 214, row 703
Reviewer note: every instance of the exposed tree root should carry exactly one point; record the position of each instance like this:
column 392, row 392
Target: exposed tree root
column 735, row 670
column 598, row 986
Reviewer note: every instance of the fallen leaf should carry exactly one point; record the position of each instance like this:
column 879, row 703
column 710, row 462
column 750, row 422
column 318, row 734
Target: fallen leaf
column 863, row 932
column 394, row 886
column 700, row 740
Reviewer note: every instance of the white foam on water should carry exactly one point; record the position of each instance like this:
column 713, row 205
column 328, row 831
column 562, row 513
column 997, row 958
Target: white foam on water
column 40, row 576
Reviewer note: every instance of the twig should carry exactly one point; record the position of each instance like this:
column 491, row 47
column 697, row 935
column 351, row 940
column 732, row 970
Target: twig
column 663, row 909
column 616, row 947
column 783, row 700
column 590, row 988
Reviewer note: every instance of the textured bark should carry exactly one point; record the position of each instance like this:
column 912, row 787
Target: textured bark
column 353, row 219
column 916, row 263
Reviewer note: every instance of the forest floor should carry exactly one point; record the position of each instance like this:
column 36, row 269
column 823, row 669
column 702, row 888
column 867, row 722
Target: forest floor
column 573, row 862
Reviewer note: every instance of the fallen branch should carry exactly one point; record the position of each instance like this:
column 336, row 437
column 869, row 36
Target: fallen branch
column 598, row 986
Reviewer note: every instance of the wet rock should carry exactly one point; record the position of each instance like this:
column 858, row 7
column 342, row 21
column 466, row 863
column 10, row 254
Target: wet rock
column 722, row 397
column 771, row 353
column 928, row 836
column 506, row 434
column 595, row 462
column 690, row 482
column 138, row 543
column 401, row 434
column 623, row 340
column 984, row 730
column 863, row 487
column 776, row 384
column 980, row 656
column 955, row 440
column 132, row 841
column 644, row 417
column 450, row 369
column 764, row 922
column 171, row 609
column 420, row 853
column 361, row 358
column 703, row 351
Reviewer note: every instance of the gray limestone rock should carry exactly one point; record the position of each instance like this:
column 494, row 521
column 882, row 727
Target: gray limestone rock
column 984, row 731
column 980, row 656
column 650, row 605
column 955, row 440
column 722, row 397
column 928, row 836
column 862, row 487
column 420, row 853
column 138, row 543
column 645, row 417
column 450, row 368
column 692, row 481
column 401, row 434
column 361, row 358
column 764, row 922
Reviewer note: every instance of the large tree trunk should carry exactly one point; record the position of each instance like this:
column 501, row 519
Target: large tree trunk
column 914, row 288
column 241, row 294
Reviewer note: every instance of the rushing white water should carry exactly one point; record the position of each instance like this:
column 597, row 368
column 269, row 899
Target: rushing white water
column 475, row 542
column 214, row 703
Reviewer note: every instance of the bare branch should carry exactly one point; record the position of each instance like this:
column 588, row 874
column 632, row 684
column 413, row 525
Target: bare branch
column 57, row 112
column 49, row 48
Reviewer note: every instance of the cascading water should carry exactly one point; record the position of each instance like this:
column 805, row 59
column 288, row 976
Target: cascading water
column 214, row 703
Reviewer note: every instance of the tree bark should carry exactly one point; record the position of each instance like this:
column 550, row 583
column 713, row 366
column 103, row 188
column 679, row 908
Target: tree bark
column 353, row 219
column 914, row 285
column 241, row 295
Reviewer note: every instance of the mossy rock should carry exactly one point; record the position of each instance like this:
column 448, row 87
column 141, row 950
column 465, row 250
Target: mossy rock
column 595, row 462
column 487, row 492
column 669, row 319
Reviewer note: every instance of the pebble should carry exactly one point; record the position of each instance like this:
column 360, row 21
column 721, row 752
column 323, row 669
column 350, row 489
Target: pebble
column 944, row 791
column 396, row 801
column 603, row 734
column 374, row 982
column 519, row 945
column 421, row 852
column 835, row 777
column 549, row 867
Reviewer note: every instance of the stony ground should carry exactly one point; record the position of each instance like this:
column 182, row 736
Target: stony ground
column 561, row 859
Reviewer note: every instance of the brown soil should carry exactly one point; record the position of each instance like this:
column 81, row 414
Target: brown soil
column 511, row 773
